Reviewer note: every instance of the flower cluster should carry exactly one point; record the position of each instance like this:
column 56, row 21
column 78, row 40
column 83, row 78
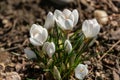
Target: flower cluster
column 59, row 50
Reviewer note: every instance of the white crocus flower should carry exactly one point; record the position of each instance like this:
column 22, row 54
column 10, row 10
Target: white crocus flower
column 66, row 20
column 81, row 71
column 90, row 28
column 38, row 35
column 49, row 48
column 68, row 46
column 50, row 20
column 30, row 54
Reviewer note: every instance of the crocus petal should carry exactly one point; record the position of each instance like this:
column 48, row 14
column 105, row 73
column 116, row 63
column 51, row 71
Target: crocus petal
column 68, row 46
column 49, row 23
column 66, row 13
column 35, row 42
column 35, row 29
column 97, row 28
column 71, row 17
column 79, row 76
column 76, row 16
column 44, row 35
column 81, row 71
column 45, row 46
column 58, row 13
column 41, row 37
column 30, row 54
column 51, row 49
column 38, row 35
column 69, row 24
column 85, row 27
column 61, row 23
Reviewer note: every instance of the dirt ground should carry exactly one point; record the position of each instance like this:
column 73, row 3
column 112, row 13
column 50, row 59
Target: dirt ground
column 16, row 18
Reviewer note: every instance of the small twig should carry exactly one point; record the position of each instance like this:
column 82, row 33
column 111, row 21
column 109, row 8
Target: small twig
column 112, row 69
column 3, row 44
column 114, row 56
column 109, row 50
column 90, row 71
column 117, row 65
column 14, row 25
column 9, row 49
column 20, row 40
column 80, row 10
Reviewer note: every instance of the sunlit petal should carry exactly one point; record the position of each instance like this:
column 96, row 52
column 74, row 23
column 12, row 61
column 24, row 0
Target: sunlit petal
column 49, row 22
column 76, row 16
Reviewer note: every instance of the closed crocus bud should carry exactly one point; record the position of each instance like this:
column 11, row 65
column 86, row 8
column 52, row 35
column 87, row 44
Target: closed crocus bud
column 30, row 54
column 49, row 48
column 50, row 20
column 81, row 71
column 56, row 73
column 38, row 35
column 90, row 28
column 68, row 46
column 66, row 20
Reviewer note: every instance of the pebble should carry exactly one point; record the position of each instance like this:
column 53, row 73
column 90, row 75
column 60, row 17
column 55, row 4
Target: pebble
column 101, row 16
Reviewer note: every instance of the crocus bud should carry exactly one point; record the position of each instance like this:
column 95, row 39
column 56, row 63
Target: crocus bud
column 50, row 20
column 56, row 73
column 90, row 28
column 68, row 46
column 38, row 35
column 49, row 48
column 81, row 71
column 30, row 54
column 66, row 20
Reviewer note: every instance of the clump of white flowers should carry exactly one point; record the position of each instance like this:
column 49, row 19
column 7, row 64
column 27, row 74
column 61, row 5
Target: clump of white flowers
column 58, row 52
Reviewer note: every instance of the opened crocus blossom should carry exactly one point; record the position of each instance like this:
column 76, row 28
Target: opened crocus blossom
column 50, row 20
column 38, row 35
column 66, row 20
column 68, row 46
column 49, row 48
column 90, row 28
column 81, row 71
column 30, row 54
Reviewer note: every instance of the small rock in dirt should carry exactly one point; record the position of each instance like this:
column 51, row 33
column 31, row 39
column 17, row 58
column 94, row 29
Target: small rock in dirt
column 2, row 67
column 115, row 76
column 101, row 16
column 115, row 34
column 87, row 62
column 4, row 57
column 18, row 67
column 12, row 76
